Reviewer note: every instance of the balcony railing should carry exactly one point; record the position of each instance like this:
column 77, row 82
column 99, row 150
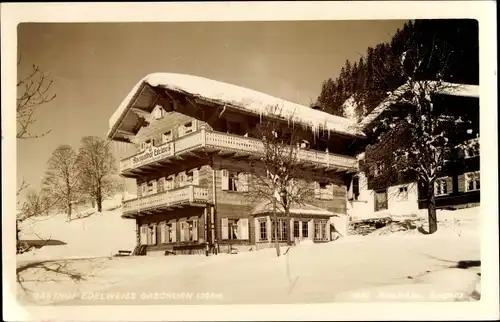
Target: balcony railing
column 182, row 195
column 229, row 142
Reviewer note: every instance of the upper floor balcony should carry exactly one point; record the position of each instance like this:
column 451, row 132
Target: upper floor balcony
column 166, row 200
column 209, row 141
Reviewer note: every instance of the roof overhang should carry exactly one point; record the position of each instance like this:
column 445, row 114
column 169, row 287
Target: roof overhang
column 133, row 112
column 451, row 89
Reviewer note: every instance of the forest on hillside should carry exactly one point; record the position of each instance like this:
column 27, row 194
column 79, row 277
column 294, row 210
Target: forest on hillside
column 367, row 80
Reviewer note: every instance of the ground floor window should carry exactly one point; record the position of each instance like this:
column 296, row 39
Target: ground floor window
column 189, row 230
column 381, row 200
column 234, row 229
column 472, row 181
column 441, row 186
column 320, row 228
column 305, row 229
column 296, row 228
column 262, row 229
column 281, row 226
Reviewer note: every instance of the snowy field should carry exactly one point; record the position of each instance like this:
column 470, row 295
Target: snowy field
column 404, row 266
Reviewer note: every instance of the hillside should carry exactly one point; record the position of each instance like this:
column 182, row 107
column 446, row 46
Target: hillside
column 93, row 234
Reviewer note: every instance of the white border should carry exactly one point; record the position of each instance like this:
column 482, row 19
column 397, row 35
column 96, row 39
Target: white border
column 484, row 11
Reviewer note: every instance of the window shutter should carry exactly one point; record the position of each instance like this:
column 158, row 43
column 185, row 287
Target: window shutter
column 224, row 228
column 155, row 186
column 139, row 191
column 144, row 188
column 317, row 190
column 243, row 182
column 174, row 232
column 243, row 228
column 449, row 185
column 350, row 190
column 182, row 179
column 195, row 229
column 257, row 229
column 180, row 131
column 163, row 231
column 196, row 177
column 182, row 230
column 225, row 179
column 195, row 125
column 144, row 236
column 153, row 235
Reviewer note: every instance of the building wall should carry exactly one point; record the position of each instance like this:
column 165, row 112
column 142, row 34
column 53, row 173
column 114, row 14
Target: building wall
column 398, row 203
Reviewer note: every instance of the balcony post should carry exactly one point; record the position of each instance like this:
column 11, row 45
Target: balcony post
column 191, row 193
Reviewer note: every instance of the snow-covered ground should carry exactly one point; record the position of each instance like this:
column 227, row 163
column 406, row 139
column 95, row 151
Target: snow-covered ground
column 397, row 267
column 88, row 234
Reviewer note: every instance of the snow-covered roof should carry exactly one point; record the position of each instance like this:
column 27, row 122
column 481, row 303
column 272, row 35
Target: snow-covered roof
column 445, row 88
column 297, row 209
column 236, row 97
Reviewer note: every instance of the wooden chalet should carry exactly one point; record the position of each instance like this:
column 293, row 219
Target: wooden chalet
column 194, row 143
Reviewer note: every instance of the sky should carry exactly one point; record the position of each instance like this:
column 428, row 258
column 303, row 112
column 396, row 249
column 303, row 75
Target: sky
column 94, row 65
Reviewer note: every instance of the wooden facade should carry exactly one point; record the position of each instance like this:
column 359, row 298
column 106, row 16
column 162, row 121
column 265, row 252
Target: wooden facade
column 192, row 169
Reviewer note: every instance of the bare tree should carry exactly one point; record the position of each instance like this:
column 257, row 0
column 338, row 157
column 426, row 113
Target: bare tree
column 98, row 167
column 35, row 204
column 277, row 177
column 33, row 91
column 418, row 136
column 61, row 181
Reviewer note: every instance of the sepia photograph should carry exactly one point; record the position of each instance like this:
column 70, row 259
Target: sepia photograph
column 214, row 163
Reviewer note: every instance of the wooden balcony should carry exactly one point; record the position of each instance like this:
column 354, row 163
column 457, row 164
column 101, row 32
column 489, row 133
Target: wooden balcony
column 205, row 141
column 166, row 201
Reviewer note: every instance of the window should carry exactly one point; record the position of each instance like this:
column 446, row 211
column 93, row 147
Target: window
column 320, row 232
column 234, row 181
column 323, row 190
column 281, row 225
column 150, row 187
column 188, row 127
column 169, row 183
column 472, row 181
column 189, row 230
column 159, row 112
column 189, row 178
column 403, row 193
column 171, row 233
column 305, row 229
column 378, row 169
column 355, row 188
column 381, row 200
column 232, row 229
column 441, row 187
column 296, row 228
column 161, row 184
column 262, row 229
column 167, row 136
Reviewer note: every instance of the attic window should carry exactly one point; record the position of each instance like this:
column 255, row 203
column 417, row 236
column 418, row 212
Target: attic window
column 188, row 127
column 159, row 112
column 167, row 136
